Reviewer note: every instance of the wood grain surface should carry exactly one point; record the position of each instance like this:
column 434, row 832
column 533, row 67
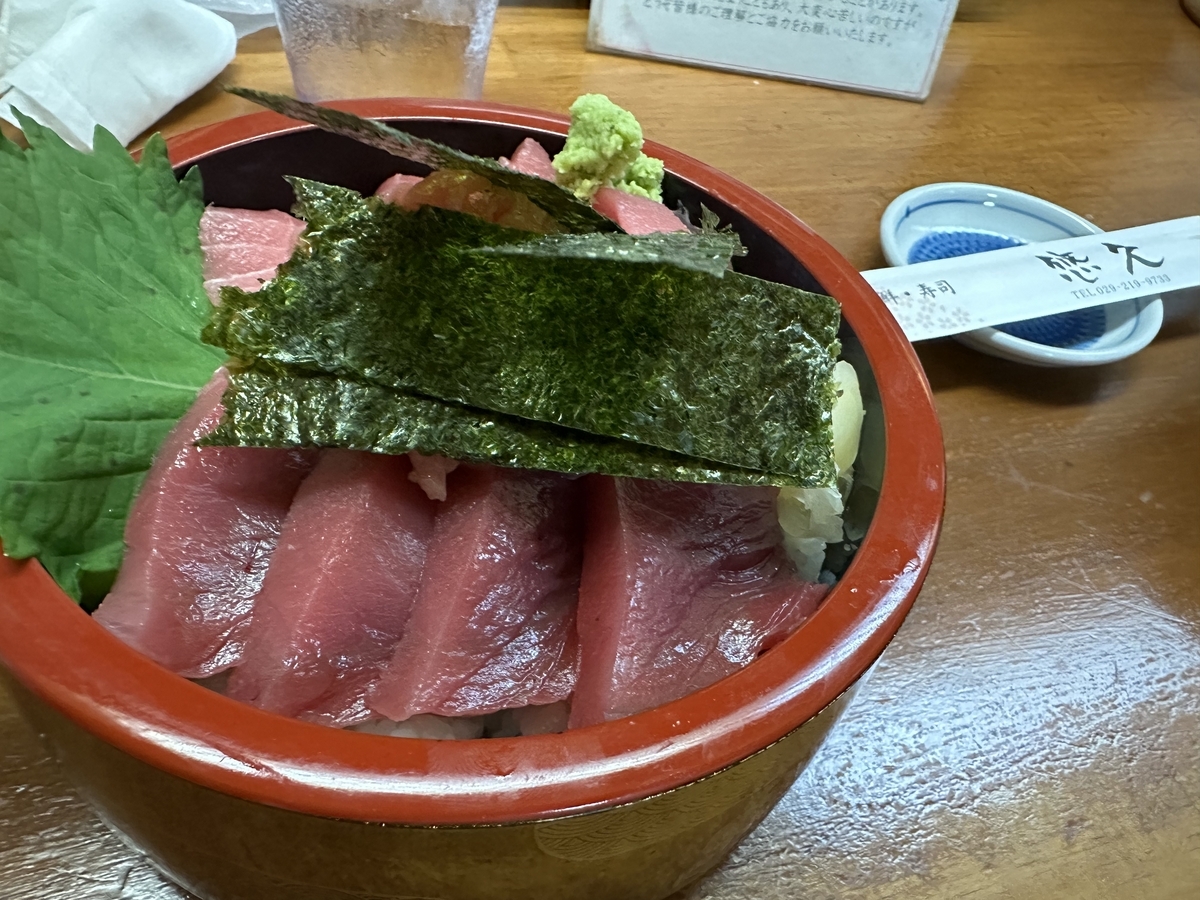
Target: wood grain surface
column 1032, row 731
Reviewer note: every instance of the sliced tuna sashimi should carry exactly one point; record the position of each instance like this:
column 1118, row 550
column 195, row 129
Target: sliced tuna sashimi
column 468, row 192
column 396, row 188
column 531, row 158
column 682, row 585
column 636, row 215
column 244, row 247
column 340, row 589
column 494, row 625
column 198, row 540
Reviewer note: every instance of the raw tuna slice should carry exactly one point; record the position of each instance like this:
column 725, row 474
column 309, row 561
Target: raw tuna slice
column 339, row 591
column 531, row 158
column 636, row 215
column 682, row 585
column 494, row 625
column 396, row 188
column 468, row 192
column 243, row 247
column 198, row 541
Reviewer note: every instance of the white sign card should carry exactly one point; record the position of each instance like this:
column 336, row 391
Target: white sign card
column 878, row 46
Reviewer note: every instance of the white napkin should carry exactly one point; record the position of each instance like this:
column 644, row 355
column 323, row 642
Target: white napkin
column 247, row 16
column 122, row 64
column 25, row 25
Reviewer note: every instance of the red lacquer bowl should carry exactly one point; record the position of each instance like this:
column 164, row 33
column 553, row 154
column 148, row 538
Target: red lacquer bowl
column 233, row 802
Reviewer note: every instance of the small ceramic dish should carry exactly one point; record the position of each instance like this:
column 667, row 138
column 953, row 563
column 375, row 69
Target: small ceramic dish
column 234, row 803
column 938, row 221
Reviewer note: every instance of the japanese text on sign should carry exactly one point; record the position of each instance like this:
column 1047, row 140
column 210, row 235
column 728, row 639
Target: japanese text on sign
column 873, row 22
column 898, row 41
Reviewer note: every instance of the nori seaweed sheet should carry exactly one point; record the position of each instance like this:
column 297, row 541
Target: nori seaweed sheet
column 570, row 213
column 708, row 252
column 271, row 406
column 732, row 370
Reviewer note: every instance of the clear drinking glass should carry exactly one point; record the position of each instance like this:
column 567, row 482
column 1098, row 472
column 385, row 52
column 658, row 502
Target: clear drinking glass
column 339, row 49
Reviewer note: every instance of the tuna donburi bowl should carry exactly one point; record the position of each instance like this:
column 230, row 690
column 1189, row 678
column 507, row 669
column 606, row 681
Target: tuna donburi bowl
column 232, row 801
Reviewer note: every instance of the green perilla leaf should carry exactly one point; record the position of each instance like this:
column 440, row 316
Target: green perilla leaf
column 101, row 300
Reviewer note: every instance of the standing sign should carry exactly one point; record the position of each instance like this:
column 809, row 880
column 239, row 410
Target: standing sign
column 878, row 46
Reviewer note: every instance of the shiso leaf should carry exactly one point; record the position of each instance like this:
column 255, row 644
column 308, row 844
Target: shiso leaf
column 272, row 406
column 101, row 299
column 708, row 253
column 572, row 214
column 731, row 369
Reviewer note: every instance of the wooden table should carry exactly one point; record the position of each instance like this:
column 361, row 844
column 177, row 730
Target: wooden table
column 1033, row 730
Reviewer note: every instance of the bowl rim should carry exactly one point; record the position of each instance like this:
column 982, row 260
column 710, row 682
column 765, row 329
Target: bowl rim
column 88, row 675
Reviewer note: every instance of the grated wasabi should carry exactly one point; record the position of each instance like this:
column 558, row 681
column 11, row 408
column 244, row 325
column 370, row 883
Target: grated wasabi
column 604, row 149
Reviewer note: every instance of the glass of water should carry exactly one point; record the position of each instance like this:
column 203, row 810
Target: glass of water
column 338, row 49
